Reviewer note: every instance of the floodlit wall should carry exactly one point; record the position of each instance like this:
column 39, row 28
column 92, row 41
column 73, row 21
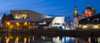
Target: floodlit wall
column 58, row 21
column 28, row 14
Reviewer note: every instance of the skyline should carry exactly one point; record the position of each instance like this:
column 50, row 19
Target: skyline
column 51, row 8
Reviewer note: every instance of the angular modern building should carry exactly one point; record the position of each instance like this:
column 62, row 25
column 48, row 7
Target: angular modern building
column 19, row 19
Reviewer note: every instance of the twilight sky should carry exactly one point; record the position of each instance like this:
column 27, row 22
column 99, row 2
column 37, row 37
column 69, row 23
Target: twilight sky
column 48, row 7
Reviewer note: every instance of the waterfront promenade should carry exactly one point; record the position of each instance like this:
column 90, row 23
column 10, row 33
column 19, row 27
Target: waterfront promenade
column 71, row 33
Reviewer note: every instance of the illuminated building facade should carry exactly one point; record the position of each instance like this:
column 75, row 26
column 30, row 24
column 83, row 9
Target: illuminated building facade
column 75, row 17
column 89, row 12
column 29, row 19
column 90, row 22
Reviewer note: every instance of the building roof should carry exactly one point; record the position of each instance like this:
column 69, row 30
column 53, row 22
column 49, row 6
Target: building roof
column 48, row 19
column 91, row 20
column 32, row 15
column 88, row 8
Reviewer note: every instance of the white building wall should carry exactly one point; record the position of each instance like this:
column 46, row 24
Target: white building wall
column 59, row 20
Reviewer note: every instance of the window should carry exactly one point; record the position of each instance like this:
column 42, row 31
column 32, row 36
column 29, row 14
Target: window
column 56, row 23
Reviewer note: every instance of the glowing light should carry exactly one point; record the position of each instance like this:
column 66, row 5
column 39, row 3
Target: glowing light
column 44, row 22
column 10, row 37
column 80, row 26
column 11, row 26
column 7, row 41
column 95, row 26
column 8, row 23
column 84, row 26
column 17, row 24
column 89, row 39
column 97, row 18
column 25, row 39
column 29, row 27
column 16, row 17
column 25, row 23
column 17, row 38
column 29, row 40
column 33, row 38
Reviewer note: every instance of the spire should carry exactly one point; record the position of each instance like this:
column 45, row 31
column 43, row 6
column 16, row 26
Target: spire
column 75, row 9
column 92, row 8
column 88, row 5
column 83, row 14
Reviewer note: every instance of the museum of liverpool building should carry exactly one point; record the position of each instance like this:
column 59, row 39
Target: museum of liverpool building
column 20, row 19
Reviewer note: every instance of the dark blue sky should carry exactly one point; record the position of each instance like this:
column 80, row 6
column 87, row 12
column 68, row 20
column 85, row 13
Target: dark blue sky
column 48, row 7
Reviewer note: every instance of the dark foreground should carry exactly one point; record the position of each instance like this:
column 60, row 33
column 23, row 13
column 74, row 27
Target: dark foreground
column 72, row 33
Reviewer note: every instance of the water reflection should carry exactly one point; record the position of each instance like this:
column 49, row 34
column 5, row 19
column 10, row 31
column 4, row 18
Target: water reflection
column 44, row 39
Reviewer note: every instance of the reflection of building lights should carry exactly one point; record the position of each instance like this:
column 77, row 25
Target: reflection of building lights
column 17, row 38
column 33, row 38
column 8, row 23
column 28, row 39
column 56, row 40
column 7, row 41
column 84, row 26
column 76, row 41
column 25, row 39
column 89, row 39
column 95, row 26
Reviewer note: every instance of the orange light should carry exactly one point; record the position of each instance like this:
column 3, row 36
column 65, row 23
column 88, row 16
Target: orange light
column 17, row 38
column 10, row 37
column 11, row 26
column 8, row 23
column 7, row 41
column 25, row 23
column 25, row 39
column 17, row 24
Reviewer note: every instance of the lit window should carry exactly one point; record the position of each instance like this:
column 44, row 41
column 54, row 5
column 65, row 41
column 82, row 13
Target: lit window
column 56, row 23
column 42, row 23
column 97, row 18
column 8, row 23
column 79, row 25
column 95, row 26
column 84, row 26
column 17, row 24
column 88, row 19
column 25, row 23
